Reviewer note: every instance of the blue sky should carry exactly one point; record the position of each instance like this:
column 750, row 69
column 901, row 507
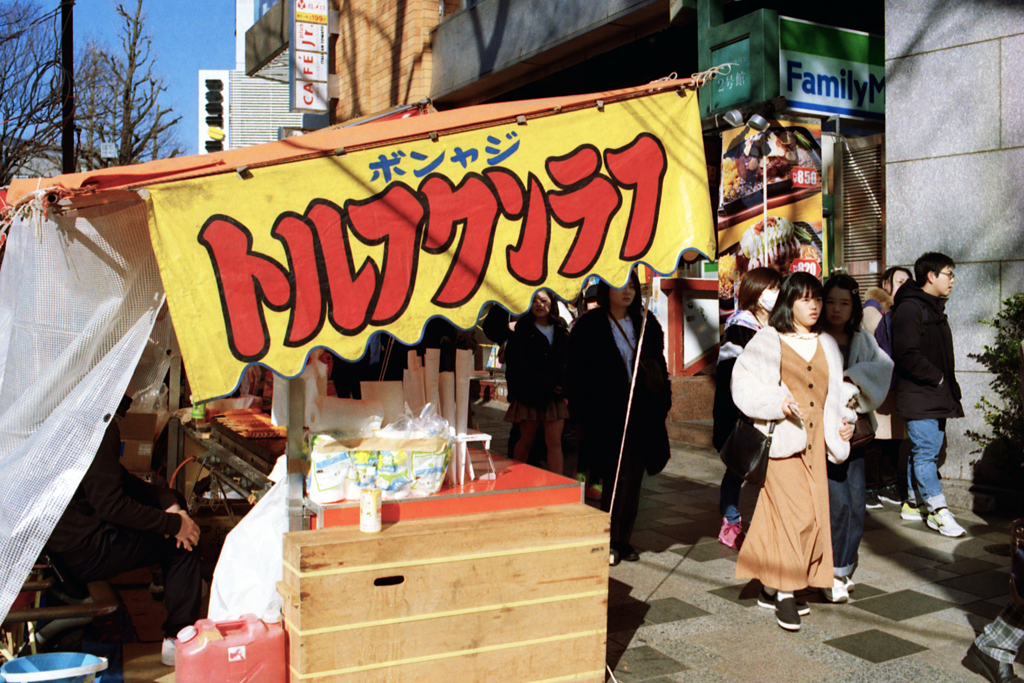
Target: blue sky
column 188, row 35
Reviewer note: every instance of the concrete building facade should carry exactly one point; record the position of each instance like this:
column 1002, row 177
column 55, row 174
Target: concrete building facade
column 955, row 135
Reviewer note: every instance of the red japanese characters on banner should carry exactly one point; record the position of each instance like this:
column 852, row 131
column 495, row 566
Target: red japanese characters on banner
column 320, row 282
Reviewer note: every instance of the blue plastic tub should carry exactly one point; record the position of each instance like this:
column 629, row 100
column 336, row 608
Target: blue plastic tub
column 55, row 667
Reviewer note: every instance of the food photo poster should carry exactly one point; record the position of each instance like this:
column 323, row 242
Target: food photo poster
column 790, row 238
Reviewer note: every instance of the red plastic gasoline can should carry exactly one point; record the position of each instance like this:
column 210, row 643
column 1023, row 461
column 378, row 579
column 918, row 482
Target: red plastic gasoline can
column 249, row 650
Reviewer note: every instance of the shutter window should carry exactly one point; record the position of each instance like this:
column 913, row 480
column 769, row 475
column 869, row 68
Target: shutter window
column 861, row 219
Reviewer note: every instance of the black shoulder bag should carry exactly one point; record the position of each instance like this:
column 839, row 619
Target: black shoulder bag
column 745, row 452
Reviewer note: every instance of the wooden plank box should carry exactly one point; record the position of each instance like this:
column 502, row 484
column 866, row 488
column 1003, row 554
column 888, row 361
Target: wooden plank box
column 517, row 595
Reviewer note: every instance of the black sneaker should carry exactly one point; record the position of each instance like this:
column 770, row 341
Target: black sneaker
column 787, row 614
column 627, row 553
column 890, row 495
column 871, row 501
column 768, row 602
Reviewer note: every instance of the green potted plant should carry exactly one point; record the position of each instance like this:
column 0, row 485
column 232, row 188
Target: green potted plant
column 1002, row 462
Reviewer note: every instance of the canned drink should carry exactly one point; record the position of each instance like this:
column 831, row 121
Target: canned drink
column 369, row 509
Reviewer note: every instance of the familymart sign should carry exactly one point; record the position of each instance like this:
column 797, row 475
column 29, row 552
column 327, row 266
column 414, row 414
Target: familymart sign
column 828, row 70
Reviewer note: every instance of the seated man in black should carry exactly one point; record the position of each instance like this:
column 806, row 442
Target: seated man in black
column 116, row 522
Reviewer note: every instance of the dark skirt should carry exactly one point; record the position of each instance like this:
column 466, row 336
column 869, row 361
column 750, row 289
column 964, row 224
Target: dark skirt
column 556, row 410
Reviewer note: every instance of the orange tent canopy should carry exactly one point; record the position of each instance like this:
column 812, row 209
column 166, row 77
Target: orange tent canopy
column 85, row 188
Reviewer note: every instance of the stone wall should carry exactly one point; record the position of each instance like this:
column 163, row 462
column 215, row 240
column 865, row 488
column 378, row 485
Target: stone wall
column 955, row 168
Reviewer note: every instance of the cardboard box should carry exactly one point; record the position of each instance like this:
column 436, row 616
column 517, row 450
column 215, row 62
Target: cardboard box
column 138, row 432
column 519, row 595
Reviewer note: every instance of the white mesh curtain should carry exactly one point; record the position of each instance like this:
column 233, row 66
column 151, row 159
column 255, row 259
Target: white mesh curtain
column 78, row 298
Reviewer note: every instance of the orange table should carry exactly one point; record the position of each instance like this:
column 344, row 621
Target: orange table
column 517, row 486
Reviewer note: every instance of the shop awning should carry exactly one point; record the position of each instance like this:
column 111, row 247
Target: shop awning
column 269, row 252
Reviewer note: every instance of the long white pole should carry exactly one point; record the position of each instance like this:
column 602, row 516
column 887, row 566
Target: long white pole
column 764, row 186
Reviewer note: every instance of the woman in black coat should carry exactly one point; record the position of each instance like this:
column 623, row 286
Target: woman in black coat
column 599, row 364
column 535, row 373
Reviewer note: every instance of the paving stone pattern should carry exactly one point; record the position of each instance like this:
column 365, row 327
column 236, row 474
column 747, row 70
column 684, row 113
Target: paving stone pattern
column 680, row 615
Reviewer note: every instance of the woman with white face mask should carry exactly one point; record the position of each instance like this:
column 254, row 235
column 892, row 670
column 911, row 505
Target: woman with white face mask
column 758, row 292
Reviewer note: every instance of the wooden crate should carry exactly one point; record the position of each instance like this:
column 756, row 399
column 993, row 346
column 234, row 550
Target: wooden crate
column 518, row 595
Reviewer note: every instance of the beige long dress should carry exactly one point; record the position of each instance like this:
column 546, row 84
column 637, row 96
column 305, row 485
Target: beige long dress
column 789, row 543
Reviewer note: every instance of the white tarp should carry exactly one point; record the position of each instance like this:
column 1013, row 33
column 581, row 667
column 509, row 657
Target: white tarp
column 78, row 297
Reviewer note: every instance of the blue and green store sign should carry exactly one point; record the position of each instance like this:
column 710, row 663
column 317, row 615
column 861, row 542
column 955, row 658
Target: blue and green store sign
column 828, row 70
column 820, row 70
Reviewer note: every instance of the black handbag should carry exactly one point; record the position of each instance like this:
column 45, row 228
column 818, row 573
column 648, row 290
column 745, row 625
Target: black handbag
column 745, row 452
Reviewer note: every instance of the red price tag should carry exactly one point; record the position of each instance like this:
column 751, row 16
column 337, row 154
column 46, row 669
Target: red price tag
column 804, row 177
column 806, row 265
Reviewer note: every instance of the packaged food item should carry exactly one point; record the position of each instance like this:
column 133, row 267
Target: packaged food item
column 394, row 471
column 364, row 465
column 330, row 464
column 429, row 466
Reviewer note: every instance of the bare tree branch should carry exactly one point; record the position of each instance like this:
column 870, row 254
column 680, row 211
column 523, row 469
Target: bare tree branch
column 30, row 86
column 119, row 97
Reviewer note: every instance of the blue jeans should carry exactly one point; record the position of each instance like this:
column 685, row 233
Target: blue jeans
column 923, row 485
column 729, row 497
column 846, row 499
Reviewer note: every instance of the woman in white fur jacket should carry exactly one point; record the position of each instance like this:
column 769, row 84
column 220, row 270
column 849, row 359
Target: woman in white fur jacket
column 867, row 372
column 790, row 374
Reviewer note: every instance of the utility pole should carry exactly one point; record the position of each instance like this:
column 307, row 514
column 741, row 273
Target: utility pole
column 67, row 95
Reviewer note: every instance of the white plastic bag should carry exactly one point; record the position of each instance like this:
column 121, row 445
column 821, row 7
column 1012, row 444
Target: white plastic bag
column 250, row 564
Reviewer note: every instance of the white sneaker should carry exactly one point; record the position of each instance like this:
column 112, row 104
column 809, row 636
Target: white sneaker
column 850, row 585
column 943, row 521
column 837, row 593
column 167, row 651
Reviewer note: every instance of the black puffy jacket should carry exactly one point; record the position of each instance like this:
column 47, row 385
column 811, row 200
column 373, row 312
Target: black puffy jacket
column 922, row 348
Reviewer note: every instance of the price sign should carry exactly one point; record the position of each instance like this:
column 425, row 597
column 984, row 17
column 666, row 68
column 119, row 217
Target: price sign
column 806, row 265
column 804, row 177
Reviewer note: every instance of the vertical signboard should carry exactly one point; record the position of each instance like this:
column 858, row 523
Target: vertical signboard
column 790, row 238
column 732, row 89
column 214, row 106
column 308, row 57
column 829, row 70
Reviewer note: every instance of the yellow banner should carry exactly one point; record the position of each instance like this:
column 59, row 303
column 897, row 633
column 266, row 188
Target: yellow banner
column 325, row 252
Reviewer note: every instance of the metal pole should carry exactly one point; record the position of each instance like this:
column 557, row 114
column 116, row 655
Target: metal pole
column 174, row 431
column 296, row 422
column 67, row 95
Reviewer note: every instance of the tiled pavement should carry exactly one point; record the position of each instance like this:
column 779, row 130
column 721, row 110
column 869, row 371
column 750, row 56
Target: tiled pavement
column 680, row 615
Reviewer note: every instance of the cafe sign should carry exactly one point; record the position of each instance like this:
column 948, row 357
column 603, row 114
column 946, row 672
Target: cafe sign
column 307, row 57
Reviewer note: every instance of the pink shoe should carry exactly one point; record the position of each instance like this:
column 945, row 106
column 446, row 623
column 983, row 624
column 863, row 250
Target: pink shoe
column 731, row 534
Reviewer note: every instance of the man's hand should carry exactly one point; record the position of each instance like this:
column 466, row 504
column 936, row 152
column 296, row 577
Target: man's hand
column 188, row 536
column 846, row 431
column 174, row 508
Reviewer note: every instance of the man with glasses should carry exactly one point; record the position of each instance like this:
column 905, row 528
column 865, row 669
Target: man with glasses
column 927, row 392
